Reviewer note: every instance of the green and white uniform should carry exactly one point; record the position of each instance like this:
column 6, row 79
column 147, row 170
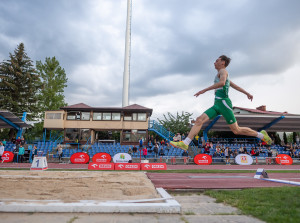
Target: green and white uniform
column 222, row 105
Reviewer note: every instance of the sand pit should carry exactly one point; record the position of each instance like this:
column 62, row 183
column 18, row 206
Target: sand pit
column 73, row 186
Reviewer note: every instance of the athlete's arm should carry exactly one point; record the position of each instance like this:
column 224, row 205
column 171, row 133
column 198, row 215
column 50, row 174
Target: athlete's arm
column 223, row 76
column 233, row 85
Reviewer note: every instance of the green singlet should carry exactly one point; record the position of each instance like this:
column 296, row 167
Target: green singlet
column 222, row 105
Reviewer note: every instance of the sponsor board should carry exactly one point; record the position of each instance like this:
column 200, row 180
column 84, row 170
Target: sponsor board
column 127, row 166
column 122, row 158
column 39, row 163
column 101, row 166
column 243, row 159
column 101, row 158
column 7, row 157
column 80, row 158
column 153, row 166
column 203, row 159
column 284, row 159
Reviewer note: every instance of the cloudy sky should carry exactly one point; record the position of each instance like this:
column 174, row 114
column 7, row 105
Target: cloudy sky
column 174, row 45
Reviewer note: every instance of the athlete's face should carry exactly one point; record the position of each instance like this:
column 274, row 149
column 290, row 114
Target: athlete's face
column 219, row 64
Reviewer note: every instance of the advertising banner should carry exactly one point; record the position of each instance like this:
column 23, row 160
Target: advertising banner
column 127, row 166
column 101, row 166
column 153, row 166
column 101, row 158
column 203, row 159
column 243, row 159
column 122, row 158
column 284, row 159
column 7, row 157
column 80, row 158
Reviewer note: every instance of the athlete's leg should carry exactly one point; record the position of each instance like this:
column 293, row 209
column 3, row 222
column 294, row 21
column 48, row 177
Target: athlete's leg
column 237, row 130
column 198, row 125
column 263, row 135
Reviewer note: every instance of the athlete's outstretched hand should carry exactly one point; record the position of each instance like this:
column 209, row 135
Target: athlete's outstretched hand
column 250, row 96
column 199, row 92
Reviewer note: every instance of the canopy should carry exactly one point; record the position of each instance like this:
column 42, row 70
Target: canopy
column 8, row 120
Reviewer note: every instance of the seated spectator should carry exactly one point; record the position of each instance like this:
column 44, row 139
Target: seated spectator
column 183, row 136
column 134, row 149
column 177, row 137
column 245, row 151
column 168, row 147
column 162, row 142
column 185, row 153
column 145, row 152
column 206, row 149
column 161, row 151
column 241, row 150
column 254, row 152
column 235, row 153
column 130, row 151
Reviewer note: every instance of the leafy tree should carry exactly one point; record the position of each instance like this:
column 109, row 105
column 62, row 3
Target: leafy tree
column 54, row 81
column 178, row 123
column 51, row 95
column 19, row 84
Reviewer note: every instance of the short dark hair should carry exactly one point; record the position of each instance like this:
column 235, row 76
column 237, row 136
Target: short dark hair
column 226, row 59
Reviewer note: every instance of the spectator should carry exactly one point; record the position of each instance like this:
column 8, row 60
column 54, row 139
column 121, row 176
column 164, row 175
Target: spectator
column 141, row 143
column 254, row 152
column 162, row 142
column 155, row 150
column 15, row 152
column 241, row 150
column 206, row 149
column 183, row 136
column 60, row 152
column 168, row 147
column 269, row 159
column 4, row 142
column 185, row 153
column 161, row 151
column 145, row 152
column 22, row 142
column 21, row 153
column 18, row 142
column 177, row 137
column 134, row 149
column 33, row 152
column 245, row 151
column 1, row 150
column 130, row 151
column 235, row 153
column 227, row 155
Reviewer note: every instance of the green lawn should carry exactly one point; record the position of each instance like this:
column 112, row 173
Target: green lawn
column 281, row 204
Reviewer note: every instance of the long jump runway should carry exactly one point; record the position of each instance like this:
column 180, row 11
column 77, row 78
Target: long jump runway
column 217, row 180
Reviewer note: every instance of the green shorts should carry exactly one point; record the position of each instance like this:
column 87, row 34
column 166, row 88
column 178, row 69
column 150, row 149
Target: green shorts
column 222, row 107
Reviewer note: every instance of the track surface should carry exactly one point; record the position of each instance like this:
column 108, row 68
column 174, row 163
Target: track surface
column 200, row 180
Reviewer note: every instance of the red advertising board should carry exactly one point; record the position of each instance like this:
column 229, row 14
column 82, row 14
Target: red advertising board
column 203, row 159
column 7, row 157
column 101, row 166
column 153, row 166
column 284, row 159
column 80, row 158
column 101, row 158
column 127, row 166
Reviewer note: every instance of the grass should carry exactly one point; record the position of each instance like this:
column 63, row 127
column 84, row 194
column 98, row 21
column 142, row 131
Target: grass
column 272, row 205
column 72, row 219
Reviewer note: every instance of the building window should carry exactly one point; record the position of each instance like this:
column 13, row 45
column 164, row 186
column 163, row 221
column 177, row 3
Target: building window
column 116, row 116
column 142, row 117
column 53, row 116
column 71, row 115
column 85, row 116
column 106, row 116
column 97, row 116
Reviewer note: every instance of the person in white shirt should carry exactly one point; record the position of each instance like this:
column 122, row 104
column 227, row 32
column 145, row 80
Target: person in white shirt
column 1, row 150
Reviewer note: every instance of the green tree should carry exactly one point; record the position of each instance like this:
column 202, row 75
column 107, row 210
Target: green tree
column 19, row 84
column 177, row 123
column 54, row 81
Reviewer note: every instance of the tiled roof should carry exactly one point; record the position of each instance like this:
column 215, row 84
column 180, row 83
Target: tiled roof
column 80, row 105
column 261, row 112
column 136, row 106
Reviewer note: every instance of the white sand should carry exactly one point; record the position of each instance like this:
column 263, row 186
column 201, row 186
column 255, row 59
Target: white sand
column 70, row 186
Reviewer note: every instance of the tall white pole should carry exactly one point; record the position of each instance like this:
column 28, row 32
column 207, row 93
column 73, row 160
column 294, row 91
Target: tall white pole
column 126, row 75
